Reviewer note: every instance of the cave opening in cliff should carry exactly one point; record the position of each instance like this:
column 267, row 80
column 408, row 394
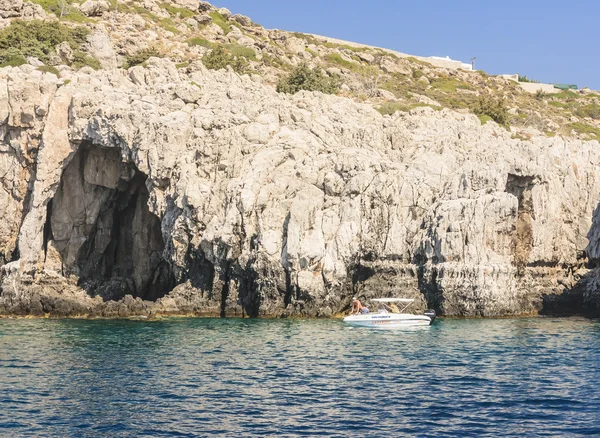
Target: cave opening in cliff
column 100, row 224
column 521, row 187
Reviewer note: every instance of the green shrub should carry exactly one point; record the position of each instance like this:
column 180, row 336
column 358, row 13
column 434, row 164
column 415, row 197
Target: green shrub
column 540, row 94
column 11, row 57
column 308, row 38
column 591, row 110
column 63, row 10
column 303, row 78
column 37, row 38
column 275, row 61
column 418, row 61
column 220, row 21
column 401, row 86
column 493, row 108
column 174, row 11
column 168, row 24
column 312, row 53
column 564, row 95
column 80, row 59
column 449, row 85
column 78, row 35
column 337, row 46
column 239, row 50
column 389, row 108
column 526, row 79
column 141, row 56
column 201, row 42
column 219, row 58
column 336, row 58
column 484, row 118
column 136, row 9
column 49, row 69
column 558, row 104
column 417, row 74
column 582, row 128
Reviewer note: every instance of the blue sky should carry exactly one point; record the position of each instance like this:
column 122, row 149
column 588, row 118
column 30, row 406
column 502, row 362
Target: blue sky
column 550, row 41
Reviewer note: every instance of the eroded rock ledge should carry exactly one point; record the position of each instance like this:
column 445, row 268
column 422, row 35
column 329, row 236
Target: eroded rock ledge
column 160, row 191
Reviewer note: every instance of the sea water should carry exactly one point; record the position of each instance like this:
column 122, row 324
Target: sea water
column 240, row 377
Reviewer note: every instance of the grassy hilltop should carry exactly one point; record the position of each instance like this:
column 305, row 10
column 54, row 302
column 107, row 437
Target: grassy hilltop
column 58, row 37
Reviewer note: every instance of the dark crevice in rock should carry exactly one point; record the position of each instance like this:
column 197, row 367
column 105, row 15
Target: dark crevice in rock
column 249, row 293
column 555, row 264
column 15, row 254
column 47, row 228
column 289, row 289
column 427, row 285
column 570, row 302
column 200, row 272
column 361, row 273
column 100, row 223
column 225, row 291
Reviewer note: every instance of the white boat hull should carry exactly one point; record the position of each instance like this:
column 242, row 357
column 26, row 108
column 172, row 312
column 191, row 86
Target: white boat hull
column 388, row 320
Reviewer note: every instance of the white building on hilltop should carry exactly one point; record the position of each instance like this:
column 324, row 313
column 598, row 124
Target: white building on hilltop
column 438, row 61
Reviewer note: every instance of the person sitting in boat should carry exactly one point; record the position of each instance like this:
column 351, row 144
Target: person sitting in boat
column 392, row 308
column 357, row 307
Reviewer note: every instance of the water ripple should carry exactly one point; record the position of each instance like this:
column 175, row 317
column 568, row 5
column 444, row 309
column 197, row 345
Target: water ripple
column 200, row 377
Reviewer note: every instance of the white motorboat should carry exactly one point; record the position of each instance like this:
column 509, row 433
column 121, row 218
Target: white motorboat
column 385, row 319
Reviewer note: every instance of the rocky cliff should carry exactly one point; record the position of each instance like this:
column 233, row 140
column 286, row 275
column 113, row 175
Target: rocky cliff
column 169, row 188
column 154, row 190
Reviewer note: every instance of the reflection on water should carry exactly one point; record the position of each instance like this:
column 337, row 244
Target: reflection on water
column 194, row 377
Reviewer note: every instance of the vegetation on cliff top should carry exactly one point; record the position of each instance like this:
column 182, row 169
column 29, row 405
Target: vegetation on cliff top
column 492, row 108
column 39, row 39
column 220, row 57
column 388, row 81
column 141, row 56
column 63, row 9
column 305, row 78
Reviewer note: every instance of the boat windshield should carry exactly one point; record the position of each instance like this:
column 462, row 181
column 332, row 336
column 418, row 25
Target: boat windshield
column 387, row 305
column 382, row 308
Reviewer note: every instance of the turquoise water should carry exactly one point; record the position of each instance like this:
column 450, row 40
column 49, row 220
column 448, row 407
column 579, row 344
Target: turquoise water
column 197, row 377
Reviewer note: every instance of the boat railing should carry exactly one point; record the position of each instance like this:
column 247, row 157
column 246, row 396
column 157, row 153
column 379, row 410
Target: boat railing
column 383, row 308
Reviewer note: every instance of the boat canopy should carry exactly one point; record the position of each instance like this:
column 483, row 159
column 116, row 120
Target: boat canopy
column 392, row 300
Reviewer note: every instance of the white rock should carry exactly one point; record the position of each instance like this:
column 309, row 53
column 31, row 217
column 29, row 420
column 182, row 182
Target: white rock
column 242, row 19
column 11, row 8
column 203, row 19
column 226, row 13
column 101, row 47
column 367, row 57
column 94, row 8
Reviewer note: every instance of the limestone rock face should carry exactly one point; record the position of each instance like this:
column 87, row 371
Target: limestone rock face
column 242, row 19
column 224, row 12
column 203, row 19
column 158, row 190
column 11, row 8
column 94, row 8
column 101, row 47
column 204, row 6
